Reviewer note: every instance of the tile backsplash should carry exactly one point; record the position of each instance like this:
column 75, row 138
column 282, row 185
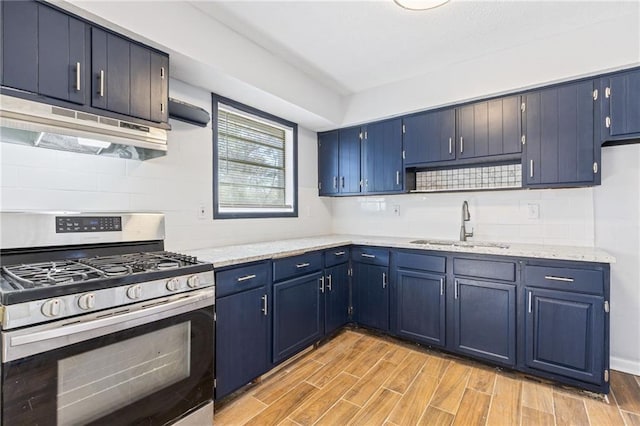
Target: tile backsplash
column 472, row 178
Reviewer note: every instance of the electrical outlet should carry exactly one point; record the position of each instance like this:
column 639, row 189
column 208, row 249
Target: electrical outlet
column 533, row 211
column 396, row 210
column 202, row 212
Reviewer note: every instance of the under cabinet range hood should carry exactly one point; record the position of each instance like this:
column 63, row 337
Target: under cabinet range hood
column 32, row 123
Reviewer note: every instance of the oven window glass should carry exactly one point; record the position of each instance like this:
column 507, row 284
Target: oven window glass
column 95, row 383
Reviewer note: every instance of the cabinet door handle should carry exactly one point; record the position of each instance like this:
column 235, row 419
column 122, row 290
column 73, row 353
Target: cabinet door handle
column 529, row 303
column 531, row 168
column 302, row 265
column 246, row 278
column 329, row 283
column 339, row 253
column 441, row 286
column 101, row 90
column 397, row 177
column 265, row 309
column 370, row 256
column 162, row 107
column 162, row 73
column 450, row 146
column 321, row 284
column 384, row 280
column 335, row 182
column 553, row 278
column 461, row 144
column 455, row 289
column 77, row 76
column 342, row 181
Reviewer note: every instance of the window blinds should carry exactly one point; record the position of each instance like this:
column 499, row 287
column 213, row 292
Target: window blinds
column 251, row 162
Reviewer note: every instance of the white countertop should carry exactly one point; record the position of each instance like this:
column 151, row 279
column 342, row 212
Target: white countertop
column 237, row 254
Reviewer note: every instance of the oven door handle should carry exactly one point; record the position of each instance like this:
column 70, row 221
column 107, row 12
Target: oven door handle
column 26, row 342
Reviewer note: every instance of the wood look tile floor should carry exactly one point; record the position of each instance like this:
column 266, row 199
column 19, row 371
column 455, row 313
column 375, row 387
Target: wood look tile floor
column 362, row 379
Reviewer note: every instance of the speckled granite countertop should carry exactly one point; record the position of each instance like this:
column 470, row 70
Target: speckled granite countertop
column 237, row 254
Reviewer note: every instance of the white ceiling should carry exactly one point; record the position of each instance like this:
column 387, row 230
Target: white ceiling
column 354, row 46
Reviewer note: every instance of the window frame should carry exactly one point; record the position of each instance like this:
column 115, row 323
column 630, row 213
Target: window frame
column 217, row 214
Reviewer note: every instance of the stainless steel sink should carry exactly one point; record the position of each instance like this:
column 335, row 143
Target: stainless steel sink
column 460, row 244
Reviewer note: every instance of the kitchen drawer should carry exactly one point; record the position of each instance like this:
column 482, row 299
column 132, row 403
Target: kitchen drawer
column 489, row 269
column 422, row 262
column 336, row 256
column 370, row 255
column 241, row 278
column 295, row 266
column 566, row 279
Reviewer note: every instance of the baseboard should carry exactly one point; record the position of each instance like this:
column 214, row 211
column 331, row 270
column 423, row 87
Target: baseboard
column 625, row 365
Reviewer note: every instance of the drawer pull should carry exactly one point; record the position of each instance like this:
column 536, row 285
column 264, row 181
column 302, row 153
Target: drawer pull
column 370, row 256
column 247, row 277
column 302, row 265
column 563, row 279
column 77, row 76
column 339, row 253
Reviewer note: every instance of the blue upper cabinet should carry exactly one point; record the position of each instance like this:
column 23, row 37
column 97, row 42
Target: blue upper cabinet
column 128, row 78
column 339, row 160
column 429, row 137
column 558, row 126
column 382, row 145
column 620, row 106
column 489, row 128
column 43, row 51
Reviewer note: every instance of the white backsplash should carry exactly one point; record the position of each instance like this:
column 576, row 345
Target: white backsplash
column 564, row 216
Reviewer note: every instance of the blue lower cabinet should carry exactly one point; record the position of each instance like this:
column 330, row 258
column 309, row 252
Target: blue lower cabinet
column 565, row 334
column 371, row 295
column 336, row 297
column 420, row 306
column 485, row 320
column 241, row 339
column 298, row 314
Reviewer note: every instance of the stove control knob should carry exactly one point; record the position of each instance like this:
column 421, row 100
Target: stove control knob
column 87, row 301
column 173, row 284
column 193, row 281
column 134, row 292
column 51, row 308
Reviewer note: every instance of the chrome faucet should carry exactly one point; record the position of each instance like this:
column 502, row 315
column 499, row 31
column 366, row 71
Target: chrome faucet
column 466, row 216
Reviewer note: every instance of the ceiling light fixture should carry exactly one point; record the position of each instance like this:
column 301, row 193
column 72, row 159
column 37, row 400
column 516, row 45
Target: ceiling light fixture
column 420, row 4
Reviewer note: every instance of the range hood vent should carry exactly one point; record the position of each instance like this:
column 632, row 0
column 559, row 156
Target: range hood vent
column 188, row 113
column 31, row 123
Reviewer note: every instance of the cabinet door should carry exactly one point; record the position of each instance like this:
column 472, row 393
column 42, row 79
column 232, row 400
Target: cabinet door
column 559, row 135
column 485, row 320
column 565, row 334
column 159, row 87
column 349, row 160
column 420, row 306
column 336, row 297
column 371, row 295
column 383, row 156
column 20, row 45
column 489, row 128
column 140, row 74
column 241, row 339
column 429, row 137
column 297, row 315
column 624, row 104
column 328, row 163
column 61, row 55
column 111, row 70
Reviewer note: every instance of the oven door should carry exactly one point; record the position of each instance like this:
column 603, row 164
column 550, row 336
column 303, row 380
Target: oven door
column 149, row 363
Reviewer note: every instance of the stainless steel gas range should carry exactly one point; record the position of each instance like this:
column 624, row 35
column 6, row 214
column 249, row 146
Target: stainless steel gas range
column 101, row 325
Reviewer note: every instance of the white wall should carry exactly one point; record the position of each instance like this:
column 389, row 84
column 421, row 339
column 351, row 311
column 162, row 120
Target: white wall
column 617, row 230
column 177, row 184
column 565, row 216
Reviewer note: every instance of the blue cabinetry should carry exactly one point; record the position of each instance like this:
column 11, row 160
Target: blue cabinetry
column 429, row 137
column 559, row 136
column 419, row 298
column 242, row 326
column 382, row 166
column 370, row 287
column 328, row 171
column 620, row 106
column 339, row 161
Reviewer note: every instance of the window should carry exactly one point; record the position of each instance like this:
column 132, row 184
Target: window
column 254, row 162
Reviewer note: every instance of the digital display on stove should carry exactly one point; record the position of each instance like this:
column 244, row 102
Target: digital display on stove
column 65, row 224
